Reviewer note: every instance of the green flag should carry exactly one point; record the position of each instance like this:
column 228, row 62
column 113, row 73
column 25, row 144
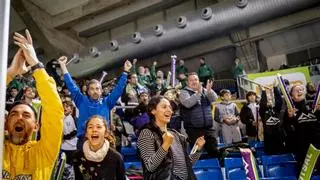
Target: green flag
column 309, row 163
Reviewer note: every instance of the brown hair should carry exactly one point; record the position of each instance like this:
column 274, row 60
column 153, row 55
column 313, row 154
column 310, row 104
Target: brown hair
column 109, row 136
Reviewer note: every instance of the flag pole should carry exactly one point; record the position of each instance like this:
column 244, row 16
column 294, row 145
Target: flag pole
column 4, row 37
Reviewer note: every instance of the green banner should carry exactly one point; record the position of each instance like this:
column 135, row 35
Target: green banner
column 299, row 75
column 309, row 163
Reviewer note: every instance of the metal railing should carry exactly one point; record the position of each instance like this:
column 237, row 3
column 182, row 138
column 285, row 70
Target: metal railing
column 245, row 85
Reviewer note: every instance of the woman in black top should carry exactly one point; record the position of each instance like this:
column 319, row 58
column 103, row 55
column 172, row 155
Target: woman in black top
column 98, row 160
column 163, row 151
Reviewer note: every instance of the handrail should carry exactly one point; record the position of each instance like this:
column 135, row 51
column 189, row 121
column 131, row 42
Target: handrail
column 255, row 83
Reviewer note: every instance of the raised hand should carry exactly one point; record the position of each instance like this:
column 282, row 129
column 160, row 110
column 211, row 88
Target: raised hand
column 63, row 60
column 291, row 112
column 18, row 64
column 167, row 140
column 155, row 63
column 127, row 66
column 134, row 61
column 209, row 85
column 199, row 88
column 25, row 43
column 200, row 142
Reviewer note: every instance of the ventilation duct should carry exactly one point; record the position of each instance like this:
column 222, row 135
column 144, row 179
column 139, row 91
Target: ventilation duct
column 196, row 26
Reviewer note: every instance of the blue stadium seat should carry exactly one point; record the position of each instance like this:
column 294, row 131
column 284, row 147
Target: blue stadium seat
column 232, row 163
column 129, row 154
column 237, row 174
column 137, row 165
column 279, row 165
column 214, row 173
column 207, row 163
column 235, row 163
column 277, row 159
column 281, row 171
column 279, row 178
column 315, row 178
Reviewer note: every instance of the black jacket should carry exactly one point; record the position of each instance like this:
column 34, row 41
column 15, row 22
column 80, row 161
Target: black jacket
column 111, row 168
column 246, row 117
column 272, row 123
column 302, row 130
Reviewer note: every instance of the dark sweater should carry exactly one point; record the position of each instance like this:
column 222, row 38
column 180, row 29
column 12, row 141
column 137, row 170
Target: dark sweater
column 111, row 168
column 272, row 123
column 302, row 130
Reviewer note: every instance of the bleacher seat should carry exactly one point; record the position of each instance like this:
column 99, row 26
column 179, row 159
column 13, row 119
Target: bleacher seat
column 207, row 163
column 235, row 163
column 279, row 178
column 277, row 159
column 259, row 148
column 232, row 163
column 132, row 164
column 129, row 153
column 280, row 171
column 214, row 173
column 279, row 165
column 315, row 178
column 237, row 174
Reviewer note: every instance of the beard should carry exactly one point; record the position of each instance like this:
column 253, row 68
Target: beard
column 18, row 140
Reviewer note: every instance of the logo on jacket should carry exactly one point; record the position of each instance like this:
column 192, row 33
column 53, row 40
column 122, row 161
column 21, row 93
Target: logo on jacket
column 307, row 118
column 7, row 176
column 272, row 121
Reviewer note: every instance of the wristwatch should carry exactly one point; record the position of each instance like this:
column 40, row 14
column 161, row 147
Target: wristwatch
column 37, row 66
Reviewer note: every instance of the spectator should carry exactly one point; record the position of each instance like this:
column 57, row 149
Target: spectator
column 301, row 125
column 84, row 89
column 118, row 129
column 13, row 95
column 163, row 151
column 196, row 112
column 69, row 143
column 21, row 121
column 181, row 69
column 272, row 122
column 311, row 91
column 94, row 103
column 158, row 87
column 182, row 80
column 98, row 159
column 227, row 115
column 205, row 72
column 143, row 79
column 132, row 90
column 16, row 83
column 238, row 69
column 249, row 116
column 51, row 68
column 138, row 116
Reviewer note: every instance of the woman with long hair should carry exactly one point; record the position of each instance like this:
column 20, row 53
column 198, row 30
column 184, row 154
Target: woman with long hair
column 98, row 159
column 164, row 151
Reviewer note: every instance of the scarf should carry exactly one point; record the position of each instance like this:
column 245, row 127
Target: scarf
column 97, row 156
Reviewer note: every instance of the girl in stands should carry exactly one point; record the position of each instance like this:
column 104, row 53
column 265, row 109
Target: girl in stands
column 302, row 125
column 272, row 122
column 163, row 151
column 98, row 159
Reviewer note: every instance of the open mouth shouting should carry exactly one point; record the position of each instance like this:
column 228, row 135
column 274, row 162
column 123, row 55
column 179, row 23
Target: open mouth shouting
column 18, row 128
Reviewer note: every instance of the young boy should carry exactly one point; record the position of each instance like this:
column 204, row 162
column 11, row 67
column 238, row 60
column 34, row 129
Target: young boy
column 227, row 115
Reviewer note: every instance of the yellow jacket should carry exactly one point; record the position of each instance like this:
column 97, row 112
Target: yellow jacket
column 35, row 159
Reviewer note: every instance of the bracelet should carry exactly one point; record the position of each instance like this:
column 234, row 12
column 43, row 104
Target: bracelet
column 37, row 66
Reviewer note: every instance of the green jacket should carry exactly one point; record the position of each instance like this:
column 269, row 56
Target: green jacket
column 181, row 69
column 237, row 70
column 205, row 71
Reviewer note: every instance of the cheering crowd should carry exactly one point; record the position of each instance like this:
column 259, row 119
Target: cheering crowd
column 44, row 119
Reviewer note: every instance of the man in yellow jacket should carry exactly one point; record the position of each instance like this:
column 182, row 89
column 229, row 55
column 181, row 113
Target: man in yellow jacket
column 23, row 158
